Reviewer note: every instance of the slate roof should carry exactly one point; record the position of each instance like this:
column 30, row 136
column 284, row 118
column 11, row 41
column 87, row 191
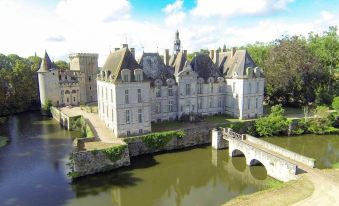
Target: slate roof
column 237, row 64
column 204, row 66
column 154, row 67
column 118, row 60
column 46, row 64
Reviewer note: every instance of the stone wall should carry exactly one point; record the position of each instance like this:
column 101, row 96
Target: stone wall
column 95, row 161
column 193, row 137
column 292, row 155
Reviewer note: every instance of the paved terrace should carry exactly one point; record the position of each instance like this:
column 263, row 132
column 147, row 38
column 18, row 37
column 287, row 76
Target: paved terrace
column 101, row 131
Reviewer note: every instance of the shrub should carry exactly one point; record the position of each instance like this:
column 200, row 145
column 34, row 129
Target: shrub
column 274, row 124
column 322, row 121
column 160, row 139
column 114, row 153
column 46, row 107
column 335, row 103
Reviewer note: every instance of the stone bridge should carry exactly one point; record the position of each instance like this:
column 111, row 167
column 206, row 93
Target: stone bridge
column 280, row 163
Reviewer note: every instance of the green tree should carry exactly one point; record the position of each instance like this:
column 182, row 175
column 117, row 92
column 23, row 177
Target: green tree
column 335, row 103
column 274, row 124
column 322, row 121
column 60, row 64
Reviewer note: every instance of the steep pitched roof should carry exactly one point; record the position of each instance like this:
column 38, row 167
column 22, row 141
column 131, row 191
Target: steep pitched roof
column 46, row 64
column 179, row 62
column 204, row 66
column 238, row 63
column 118, row 60
column 154, row 67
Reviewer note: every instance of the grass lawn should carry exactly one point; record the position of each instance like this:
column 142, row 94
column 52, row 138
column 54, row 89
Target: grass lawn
column 279, row 194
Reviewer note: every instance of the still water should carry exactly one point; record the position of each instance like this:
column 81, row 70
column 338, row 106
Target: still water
column 33, row 172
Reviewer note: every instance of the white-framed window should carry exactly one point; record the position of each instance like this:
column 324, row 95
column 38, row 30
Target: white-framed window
column 126, row 97
column 211, row 87
column 220, row 89
column 128, row 120
column 170, row 90
column 219, row 102
column 139, row 95
column 200, row 88
column 140, row 115
column 140, row 131
column 200, row 103
column 256, row 103
column 170, row 106
column 250, row 87
column 249, row 103
column 128, row 133
column 257, row 89
column 158, row 91
column 188, row 89
column 158, row 107
column 112, row 96
column 138, row 77
column 211, row 102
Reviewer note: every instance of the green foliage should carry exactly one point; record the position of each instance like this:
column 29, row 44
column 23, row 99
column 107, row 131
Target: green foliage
column 47, row 106
column 94, row 152
column 62, row 65
column 80, row 124
column 274, row 124
column 72, row 173
column 335, row 103
column 322, row 121
column 114, row 153
column 18, row 84
column 191, row 56
column 335, row 165
column 159, row 140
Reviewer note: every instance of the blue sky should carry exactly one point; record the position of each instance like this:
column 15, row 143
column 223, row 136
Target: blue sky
column 65, row 26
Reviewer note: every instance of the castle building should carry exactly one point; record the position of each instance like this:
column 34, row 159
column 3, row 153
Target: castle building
column 69, row 87
column 132, row 94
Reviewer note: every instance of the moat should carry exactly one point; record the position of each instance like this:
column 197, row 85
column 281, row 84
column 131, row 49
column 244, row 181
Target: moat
column 33, row 170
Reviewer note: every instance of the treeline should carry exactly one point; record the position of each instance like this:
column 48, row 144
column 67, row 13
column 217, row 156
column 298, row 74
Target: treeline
column 300, row 70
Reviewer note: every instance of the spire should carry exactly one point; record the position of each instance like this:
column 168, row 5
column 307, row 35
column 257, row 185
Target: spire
column 177, row 43
column 46, row 63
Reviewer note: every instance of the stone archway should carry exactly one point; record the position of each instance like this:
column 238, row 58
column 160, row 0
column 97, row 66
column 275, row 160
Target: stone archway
column 258, row 170
column 237, row 153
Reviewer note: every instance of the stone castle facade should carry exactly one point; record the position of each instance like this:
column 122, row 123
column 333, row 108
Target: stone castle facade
column 69, row 87
column 132, row 94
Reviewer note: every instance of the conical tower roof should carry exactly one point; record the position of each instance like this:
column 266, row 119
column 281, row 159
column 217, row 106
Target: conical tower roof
column 46, row 64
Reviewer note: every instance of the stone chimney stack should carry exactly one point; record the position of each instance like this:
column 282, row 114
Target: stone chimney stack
column 166, row 57
column 212, row 54
column 233, row 51
column 216, row 57
column 124, row 45
column 133, row 52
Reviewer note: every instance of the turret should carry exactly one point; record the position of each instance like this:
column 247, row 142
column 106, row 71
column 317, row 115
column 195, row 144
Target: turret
column 177, row 43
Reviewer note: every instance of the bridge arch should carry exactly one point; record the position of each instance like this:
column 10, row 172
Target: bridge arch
column 258, row 169
column 237, row 153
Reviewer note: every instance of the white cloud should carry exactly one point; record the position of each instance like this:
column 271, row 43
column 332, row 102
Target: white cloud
column 229, row 8
column 175, row 14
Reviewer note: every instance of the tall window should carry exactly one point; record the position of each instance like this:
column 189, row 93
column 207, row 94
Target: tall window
column 170, row 90
column 200, row 88
column 126, row 97
column 249, row 103
column 249, row 87
column 158, row 107
column 211, row 102
column 188, row 89
column 219, row 102
column 125, row 77
column 257, row 90
column 256, row 103
column 138, row 77
column 220, row 89
column 140, row 115
column 170, row 106
column 200, row 103
column 139, row 95
column 158, row 91
column 211, row 86
column 127, row 117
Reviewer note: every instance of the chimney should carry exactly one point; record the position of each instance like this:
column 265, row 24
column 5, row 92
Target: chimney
column 166, row 57
column 185, row 53
column 233, row 51
column 116, row 49
column 212, row 54
column 133, row 52
column 216, row 57
column 124, row 45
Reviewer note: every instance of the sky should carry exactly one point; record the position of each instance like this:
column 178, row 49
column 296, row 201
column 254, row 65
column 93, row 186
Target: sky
column 98, row 26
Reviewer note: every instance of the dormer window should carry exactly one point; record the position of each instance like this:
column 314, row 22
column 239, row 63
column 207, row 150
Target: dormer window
column 126, row 75
column 138, row 75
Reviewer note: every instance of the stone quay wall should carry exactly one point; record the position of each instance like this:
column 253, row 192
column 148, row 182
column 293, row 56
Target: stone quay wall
column 192, row 137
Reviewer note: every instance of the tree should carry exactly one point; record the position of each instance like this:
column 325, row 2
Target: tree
column 60, row 64
column 274, row 124
column 322, row 121
column 335, row 103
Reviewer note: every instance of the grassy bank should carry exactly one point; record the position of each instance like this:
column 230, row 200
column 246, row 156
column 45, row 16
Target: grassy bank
column 277, row 194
